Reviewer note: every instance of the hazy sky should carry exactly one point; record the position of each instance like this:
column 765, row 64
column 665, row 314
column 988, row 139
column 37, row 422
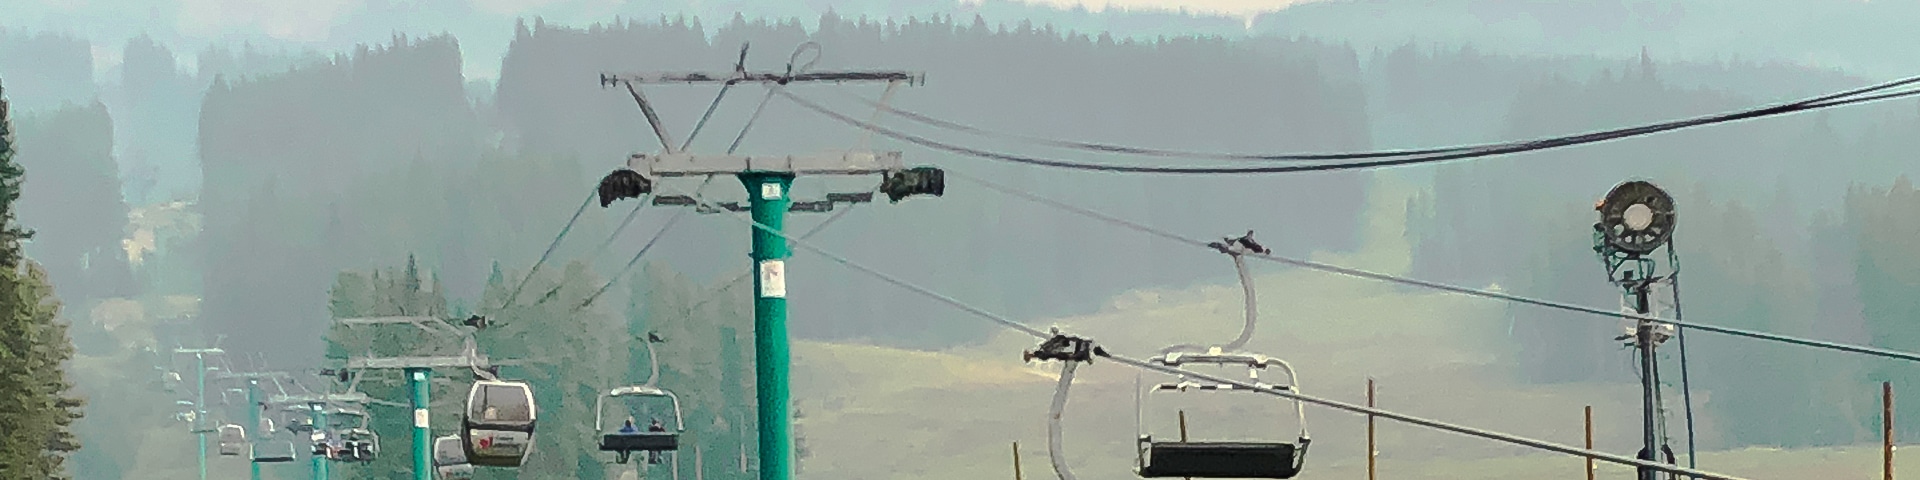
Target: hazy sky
column 483, row 26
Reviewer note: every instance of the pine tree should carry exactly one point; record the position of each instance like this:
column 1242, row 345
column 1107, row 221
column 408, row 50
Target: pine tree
column 10, row 176
column 37, row 410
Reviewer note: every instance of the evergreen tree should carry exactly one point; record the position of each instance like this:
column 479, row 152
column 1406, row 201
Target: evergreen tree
column 11, row 234
column 37, row 409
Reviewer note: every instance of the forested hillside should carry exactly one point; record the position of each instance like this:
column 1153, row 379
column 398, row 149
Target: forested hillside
column 331, row 152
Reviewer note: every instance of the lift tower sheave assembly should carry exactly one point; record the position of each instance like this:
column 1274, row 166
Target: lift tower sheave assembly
column 1637, row 218
column 768, row 180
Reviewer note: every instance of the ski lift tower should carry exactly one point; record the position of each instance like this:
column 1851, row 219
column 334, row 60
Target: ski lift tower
column 315, row 406
column 254, row 405
column 419, row 370
column 199, row 423
column 767, row 179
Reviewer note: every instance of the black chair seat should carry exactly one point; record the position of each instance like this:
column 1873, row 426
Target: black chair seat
column 640, row 442
column 1220, row 460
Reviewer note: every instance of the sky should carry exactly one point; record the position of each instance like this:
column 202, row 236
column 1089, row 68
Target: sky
column 483, row 26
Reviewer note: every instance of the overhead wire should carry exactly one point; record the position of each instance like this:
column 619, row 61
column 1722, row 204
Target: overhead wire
column 1023, row 328
column 657, row 235
column 817, row 228
column 1502, row 149
column 1680, row 335
column 515, row 295
column 1358, row 273
column 1166, row 153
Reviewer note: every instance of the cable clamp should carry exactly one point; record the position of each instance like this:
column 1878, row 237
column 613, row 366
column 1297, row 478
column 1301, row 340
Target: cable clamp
column 1239, row 246
column 1066, row 348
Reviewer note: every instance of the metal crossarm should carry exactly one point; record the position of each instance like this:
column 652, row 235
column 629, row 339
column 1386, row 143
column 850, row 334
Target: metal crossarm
column 655, row 165
column 690, row 78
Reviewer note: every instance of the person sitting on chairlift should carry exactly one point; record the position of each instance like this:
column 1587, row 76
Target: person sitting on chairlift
column 628, row 427
column 653, row 457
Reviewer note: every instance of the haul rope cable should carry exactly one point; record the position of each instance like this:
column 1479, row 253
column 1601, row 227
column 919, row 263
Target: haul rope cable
column 817, row 228
column 1164, row 153
column 1499, row 150
column 1353, row 272
column 1023, row 328
column 515, row 296
column 1680, row 334
column 662, row 232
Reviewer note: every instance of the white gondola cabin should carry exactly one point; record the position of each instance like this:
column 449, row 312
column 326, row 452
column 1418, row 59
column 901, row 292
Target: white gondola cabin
column 450, row 459
column 497, row 427
column 628, row 438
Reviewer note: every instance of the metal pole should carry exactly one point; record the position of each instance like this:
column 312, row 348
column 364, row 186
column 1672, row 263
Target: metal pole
column 253, row 422
column 422, row 435
column 1645, row 341
column 699, row 470
column 1372, row 450
column 1589, row 441
column 319, row 416
column 1886, row 428
column 767, row 197
column 200, row 405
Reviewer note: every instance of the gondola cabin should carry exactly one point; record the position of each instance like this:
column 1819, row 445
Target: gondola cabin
column 233, row 440
column 497, row 427
column 627, row 437
column 450, row 459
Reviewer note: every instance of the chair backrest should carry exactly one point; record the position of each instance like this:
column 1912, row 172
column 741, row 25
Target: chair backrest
column 1231, row 453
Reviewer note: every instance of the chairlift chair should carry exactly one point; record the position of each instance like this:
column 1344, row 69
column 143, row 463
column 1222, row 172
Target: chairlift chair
column 233, row 440
column 321, row 447
column 497, row 427
column 450, row 459
column 1222, row 459
column 625, row 443
column 272, row 451
column 361, row 445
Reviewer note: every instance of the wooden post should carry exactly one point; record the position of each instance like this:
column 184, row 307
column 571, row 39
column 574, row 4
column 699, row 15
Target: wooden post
column 1589, row 423
column 1886, row 429
column 1016, row 461
column 1372, row 450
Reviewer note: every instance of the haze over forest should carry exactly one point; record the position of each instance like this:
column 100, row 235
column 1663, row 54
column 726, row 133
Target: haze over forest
column 199, row 175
